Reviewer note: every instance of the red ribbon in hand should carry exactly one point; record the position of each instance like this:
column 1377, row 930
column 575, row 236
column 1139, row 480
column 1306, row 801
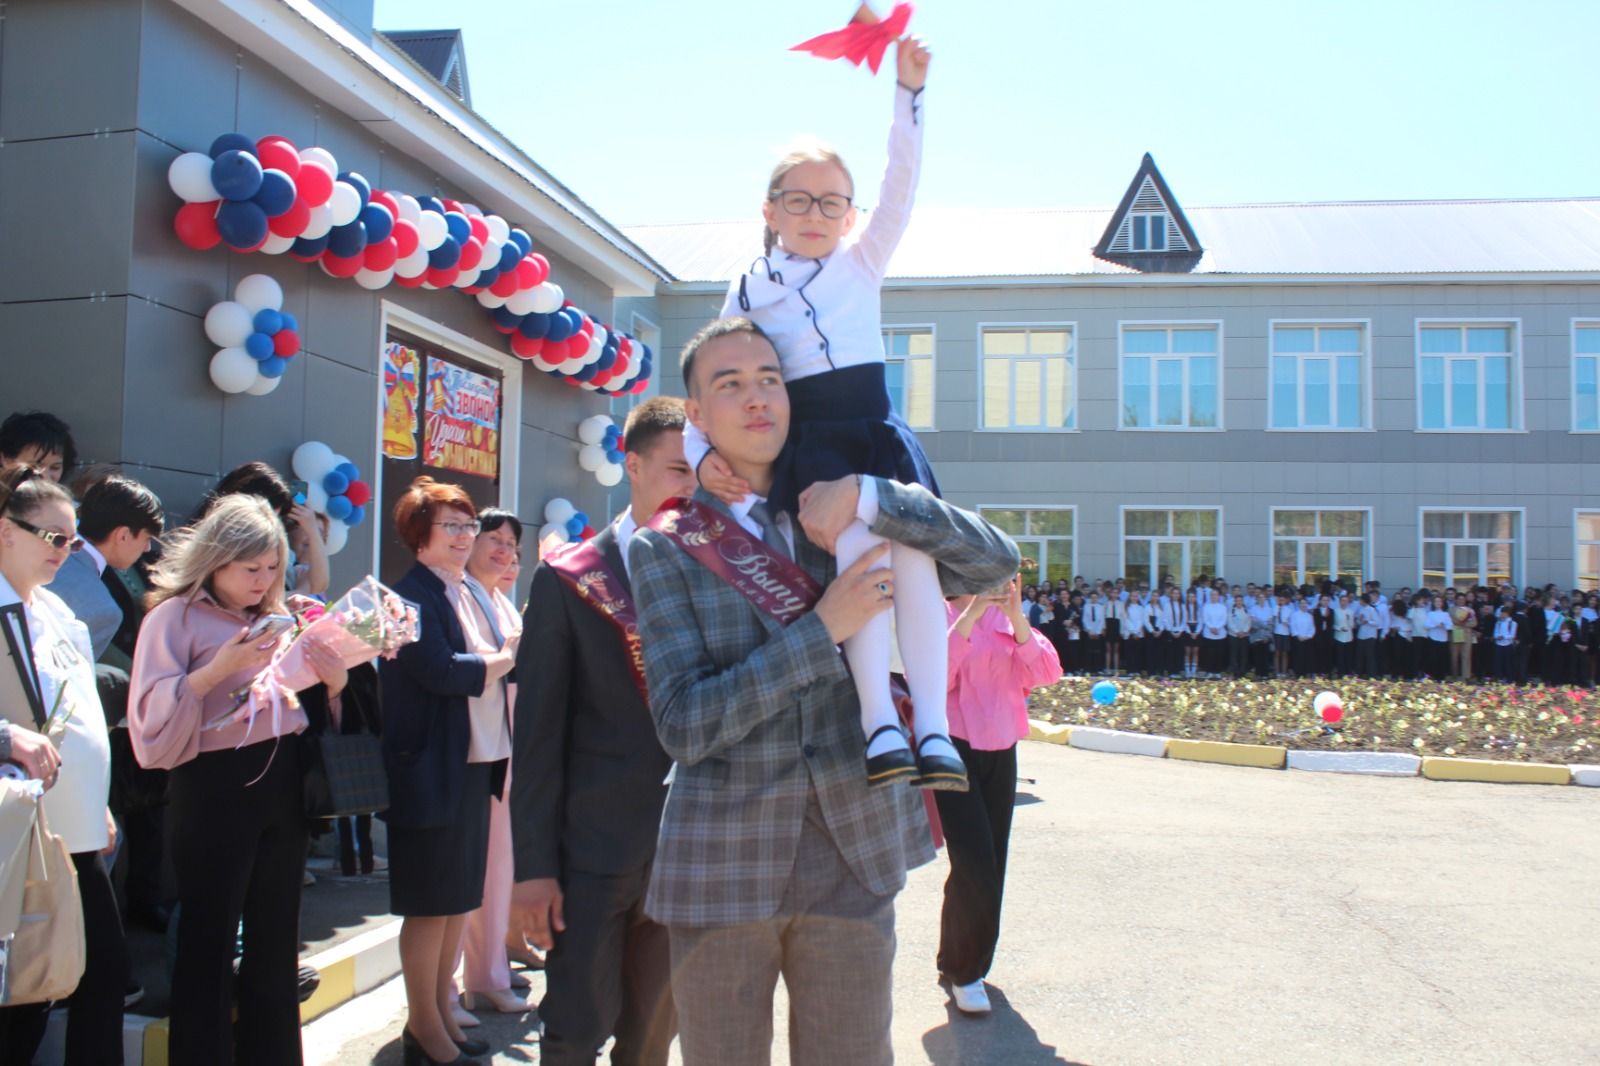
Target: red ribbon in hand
column 864, row 40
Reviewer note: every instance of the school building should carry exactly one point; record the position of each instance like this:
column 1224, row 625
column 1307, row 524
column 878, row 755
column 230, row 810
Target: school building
column 1404, row 391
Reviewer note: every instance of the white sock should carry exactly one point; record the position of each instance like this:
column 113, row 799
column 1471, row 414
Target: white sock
column 924, row 631
column 868, row 653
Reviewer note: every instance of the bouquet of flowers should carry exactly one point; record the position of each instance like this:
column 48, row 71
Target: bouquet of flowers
column 369, row 621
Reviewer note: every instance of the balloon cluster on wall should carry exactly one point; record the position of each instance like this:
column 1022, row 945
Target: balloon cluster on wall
column 256, row 336
column 269, row 196
column 334, row 488
column 563, row 523
column 601, row 453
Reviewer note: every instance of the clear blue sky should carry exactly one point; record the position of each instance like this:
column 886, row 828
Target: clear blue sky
column 657, row 111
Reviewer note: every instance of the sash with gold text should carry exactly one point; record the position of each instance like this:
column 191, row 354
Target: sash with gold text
column 772, row 582
column 584, row 568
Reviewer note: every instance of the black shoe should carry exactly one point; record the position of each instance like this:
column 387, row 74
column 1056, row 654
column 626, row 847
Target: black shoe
column 308, row 979
column 471, row 1046
column 412, row 1054
column 890, row 766
column 151, row 916
column 939, row 772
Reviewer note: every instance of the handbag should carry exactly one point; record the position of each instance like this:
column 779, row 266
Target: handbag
column 344, row 775
column 45, row 957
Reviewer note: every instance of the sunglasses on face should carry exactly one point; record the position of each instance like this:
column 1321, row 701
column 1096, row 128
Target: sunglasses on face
column 56, row 540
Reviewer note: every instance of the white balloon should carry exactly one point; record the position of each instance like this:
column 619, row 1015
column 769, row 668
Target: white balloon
column 320, row 155
column 345, row 202
column 466, row 279
column 338, row 535
column 258, row 292
column 522, row 301
column 547, row 297
column 277, row 245
column 541, row 363
column 499, row 228
column 591, row 457
column 316, row 496
column 413, row 265
column 410, row 210
column 596, row 350
column 374, row 279
column 263, row 384
column 232, row 370
column 190, row 177
column 312, row 461
column 553, row 533
column 558, row 511
column 431, row 230
column 600, row 334
column 321, row 222
column 490, row 299
column 340, row 460
column 228, row 324
column 592, row 430
column 609, row 474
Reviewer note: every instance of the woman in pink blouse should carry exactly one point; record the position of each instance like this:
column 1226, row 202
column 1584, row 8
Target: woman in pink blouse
column 203, row 703
column 996, row 659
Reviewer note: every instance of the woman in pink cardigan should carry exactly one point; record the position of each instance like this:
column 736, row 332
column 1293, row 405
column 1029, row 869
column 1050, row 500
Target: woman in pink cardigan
column 996, row 659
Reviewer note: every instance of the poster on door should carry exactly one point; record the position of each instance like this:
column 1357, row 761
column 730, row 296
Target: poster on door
column 402, row 383
column 461, row 420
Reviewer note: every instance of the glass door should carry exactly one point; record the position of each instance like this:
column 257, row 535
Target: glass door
column 1172, row 561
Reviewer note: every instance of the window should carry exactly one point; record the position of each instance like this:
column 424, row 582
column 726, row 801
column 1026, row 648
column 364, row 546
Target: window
column 1171, row 377
column 1467, row 377
column 1149, row 233
column 1587, row 555
column 1585, row 376
column 1319, row 376
column 1463, row 549
column 1166, row 543
column 1044, row 536
column 1030, row 378
column 908, row 351
column 1313, row 546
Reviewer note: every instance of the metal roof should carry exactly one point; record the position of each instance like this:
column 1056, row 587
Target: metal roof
column 433, row 50
column 1382, row 238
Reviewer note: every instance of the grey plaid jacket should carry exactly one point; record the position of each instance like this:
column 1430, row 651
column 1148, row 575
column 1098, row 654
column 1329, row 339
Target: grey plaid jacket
column 758, row 716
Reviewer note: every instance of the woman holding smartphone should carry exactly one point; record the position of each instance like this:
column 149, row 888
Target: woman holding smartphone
column 203, row 703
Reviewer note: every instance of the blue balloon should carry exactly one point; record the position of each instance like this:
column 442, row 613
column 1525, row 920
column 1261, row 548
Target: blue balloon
column 431, row 203
column 310, row 247
column 236, row 175
column 339, row 508
column 289, row 321
column 535, row 325
column 574, row 526
column 242, row 224
column 521, row 239
column 583, row 519
column 231, row 142
column 559, row 327
column 356, row 516
column 487, row 277
column 607, row 360
column 348, row 240
column 378, row 221
column 276, row 194
column 350, row 471
column 268, row 321
column 258, row 346
column 510, row 255
column 446, row 255
column 273, row 368
column 362, row 186
column 574, row 316
column 334, row 484
column 613, row 456
column 1105, row 693
column 506, row 318
column 588, row 372
column 458, row 226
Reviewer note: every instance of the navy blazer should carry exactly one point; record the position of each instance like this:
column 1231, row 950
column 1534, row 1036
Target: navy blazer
column 426, row 729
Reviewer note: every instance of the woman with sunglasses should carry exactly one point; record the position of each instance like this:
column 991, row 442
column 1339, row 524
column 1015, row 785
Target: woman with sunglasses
column 38, row 529
column 446, row 742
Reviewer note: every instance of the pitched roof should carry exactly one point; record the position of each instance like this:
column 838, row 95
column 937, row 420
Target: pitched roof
column 1178, row 250
column 1364, row 238
column 442, row 53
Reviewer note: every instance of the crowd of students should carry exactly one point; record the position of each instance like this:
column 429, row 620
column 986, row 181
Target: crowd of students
column 1214, row 629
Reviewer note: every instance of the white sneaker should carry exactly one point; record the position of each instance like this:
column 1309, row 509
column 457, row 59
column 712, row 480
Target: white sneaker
column 970, row 999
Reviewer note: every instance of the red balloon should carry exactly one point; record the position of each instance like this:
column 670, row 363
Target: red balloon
column 620, row 367
column 587, row 328
column 342, row 266
column 359, row 493
column 380, row 196
column 507, row 330
column 405, row 237
column 285, row 342
column 471, row 254
column 574, row 382
column 292, row 222
column 480, row 228
column 1332, row 713
column 588, row 531
column 527, row 274
column 577, row 346
column 314, row 184
column 541, row 265
column 601, row 380
column 639, row 386
column 452, row 205
column 505, row 284
column 526, row 347
column 196, row 225
column 381, row 256
column 278, row 153
column 414, row 282
column 442, row 277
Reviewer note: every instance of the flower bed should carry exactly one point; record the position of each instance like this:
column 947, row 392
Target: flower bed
column 1531, row 724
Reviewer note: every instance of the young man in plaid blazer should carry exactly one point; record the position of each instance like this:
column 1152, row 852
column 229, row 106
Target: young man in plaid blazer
column 774, row 856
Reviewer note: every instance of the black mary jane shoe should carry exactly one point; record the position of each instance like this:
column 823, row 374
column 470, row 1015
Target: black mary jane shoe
column 939, row 772
column 896, row 764
column 473, row 1046
column 413, row 1054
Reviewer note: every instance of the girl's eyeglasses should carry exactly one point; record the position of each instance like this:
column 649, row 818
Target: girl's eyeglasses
column 797, row 202
column 49, row 536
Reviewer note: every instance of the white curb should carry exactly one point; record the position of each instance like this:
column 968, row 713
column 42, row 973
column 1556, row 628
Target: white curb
column 1092, row 738
column 1586, row 775
column 1377, row 763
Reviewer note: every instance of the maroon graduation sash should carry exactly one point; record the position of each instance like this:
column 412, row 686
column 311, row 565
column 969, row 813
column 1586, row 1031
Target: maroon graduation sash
column 587, row 572
column 772, row 582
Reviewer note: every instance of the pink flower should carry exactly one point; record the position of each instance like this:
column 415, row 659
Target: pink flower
column 311, row 614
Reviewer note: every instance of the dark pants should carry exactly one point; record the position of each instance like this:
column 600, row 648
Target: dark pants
column 1213, row 654
column 1367, row 656
column 1238, row 656
column 1302, row 657
column 94, row 1010
column 355, row 835
column 1436, row 658
column 609, row 973
column 238, row 841
column 1505, row 662
column 977, row 834
column 1344, row 658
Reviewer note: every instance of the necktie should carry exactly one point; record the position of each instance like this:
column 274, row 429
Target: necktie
column 769, row 528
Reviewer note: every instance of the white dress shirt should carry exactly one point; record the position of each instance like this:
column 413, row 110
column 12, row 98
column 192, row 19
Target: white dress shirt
column 626, row 528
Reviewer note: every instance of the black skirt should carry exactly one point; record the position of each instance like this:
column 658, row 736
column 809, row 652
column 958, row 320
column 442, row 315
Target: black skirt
column 840, row 423
column 438, row 872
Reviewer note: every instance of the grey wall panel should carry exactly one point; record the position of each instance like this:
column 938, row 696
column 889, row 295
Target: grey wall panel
column 341, row 411
column 269, row 105
column 188, row 78
column 69, row 68
column 161, row 268
column 351, row 144
column 341, row 319
column 260, row 427
column 172, row 414
column 65, row 219
column 65, row 356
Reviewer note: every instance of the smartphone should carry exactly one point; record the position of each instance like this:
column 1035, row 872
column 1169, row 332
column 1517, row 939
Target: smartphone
column 270, row 626
column 297, row 489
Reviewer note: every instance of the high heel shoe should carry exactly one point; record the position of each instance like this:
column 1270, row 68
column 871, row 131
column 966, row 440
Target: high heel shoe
column 412, row 1053
column 503, row 1000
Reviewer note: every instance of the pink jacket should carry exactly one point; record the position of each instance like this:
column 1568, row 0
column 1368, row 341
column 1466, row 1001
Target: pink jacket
column 990, row 678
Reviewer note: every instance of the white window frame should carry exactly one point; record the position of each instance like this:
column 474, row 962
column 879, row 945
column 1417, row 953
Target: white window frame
column 1365, row 324
column 1123, row 325
column 1577, row 545
column 1518, row 549
column 1147, row 216
column 1273, row 537
column 1519, row 395
column 1072, row 375
column 510, row 368
column 1572, row 377
column 933, row 362
column 1122, row 534
column 1025, row 507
